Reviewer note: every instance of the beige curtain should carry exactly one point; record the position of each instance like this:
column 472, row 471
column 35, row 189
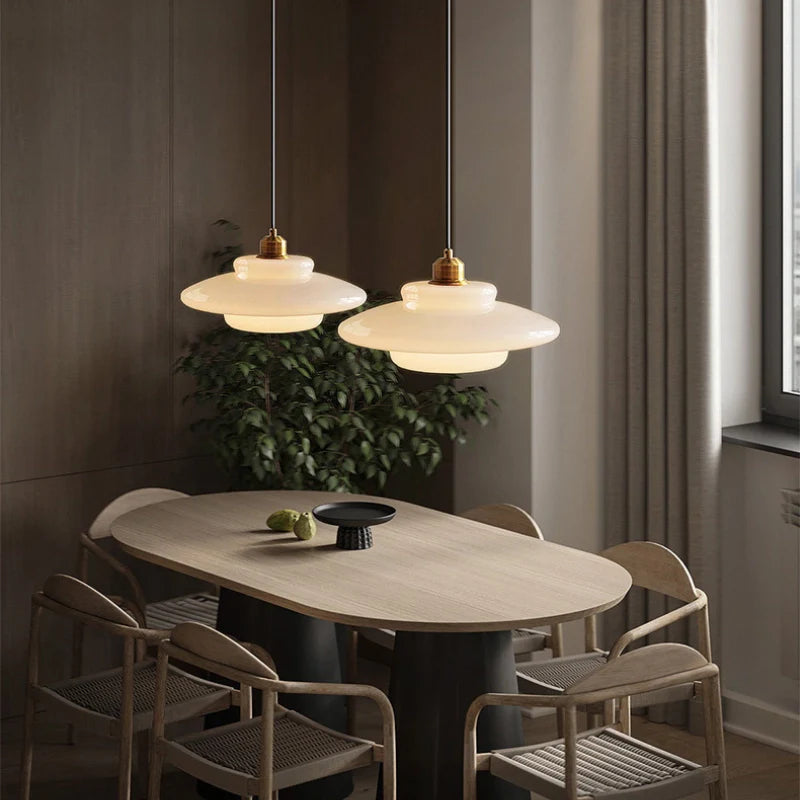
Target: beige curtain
column 662, row 398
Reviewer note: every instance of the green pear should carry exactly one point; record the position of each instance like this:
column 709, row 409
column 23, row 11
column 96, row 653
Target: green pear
column 283, row 520
column 305, row 527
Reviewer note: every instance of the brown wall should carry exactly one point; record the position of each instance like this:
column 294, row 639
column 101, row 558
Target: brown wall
column 396, row 141
column 127, row 128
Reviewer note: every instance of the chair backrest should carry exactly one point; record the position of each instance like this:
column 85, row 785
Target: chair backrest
column 652, row 663
column 655, row 567
column 74, row 597
column 130, row 501
column 198, row 644
column 506, row 516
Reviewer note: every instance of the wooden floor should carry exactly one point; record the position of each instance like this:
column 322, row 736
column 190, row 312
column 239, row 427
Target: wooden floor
column 86, row 771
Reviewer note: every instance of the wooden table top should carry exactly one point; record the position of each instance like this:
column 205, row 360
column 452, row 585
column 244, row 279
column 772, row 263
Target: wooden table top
column 427, row 570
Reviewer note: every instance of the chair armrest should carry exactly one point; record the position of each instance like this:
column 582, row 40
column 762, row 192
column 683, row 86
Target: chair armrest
column 640, row 631
column 520, row 700
column 342, row 689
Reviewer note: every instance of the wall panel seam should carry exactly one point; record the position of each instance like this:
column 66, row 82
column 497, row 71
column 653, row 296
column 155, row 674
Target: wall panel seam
column 103, row 469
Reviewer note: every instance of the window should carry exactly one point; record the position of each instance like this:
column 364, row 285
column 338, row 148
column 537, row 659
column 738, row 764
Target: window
column 781, row 211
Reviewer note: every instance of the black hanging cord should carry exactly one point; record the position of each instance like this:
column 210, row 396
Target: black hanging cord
column 272, row 167
column 449, row 125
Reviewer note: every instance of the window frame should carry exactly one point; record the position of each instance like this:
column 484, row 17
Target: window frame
column 777, row 405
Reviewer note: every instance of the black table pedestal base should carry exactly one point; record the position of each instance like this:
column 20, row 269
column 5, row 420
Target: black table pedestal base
column 304, row 649
column 435, row 677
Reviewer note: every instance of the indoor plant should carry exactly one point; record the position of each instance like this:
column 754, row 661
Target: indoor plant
column 309, row 411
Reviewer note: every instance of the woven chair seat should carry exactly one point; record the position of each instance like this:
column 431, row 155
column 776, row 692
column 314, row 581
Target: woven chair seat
column 382, row 637
column 166, row 614
column 556, row 674
column 296, row 743
column 528, row 640
column 102, row 693
column 607, row 762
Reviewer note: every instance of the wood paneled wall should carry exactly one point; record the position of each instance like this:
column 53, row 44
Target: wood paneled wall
column 127, row 128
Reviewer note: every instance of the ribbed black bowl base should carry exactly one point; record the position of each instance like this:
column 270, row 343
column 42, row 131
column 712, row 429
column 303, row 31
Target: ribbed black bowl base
column 354, row 538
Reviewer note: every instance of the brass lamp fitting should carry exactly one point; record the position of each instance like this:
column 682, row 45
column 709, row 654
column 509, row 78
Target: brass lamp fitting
column 448, row 270
column 272, row 245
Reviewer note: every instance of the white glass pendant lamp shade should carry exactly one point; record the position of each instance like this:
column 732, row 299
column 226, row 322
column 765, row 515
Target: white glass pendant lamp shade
column 448, row 325
column 273, row 292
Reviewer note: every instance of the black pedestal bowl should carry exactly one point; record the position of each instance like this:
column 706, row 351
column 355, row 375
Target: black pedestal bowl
column 354, row 520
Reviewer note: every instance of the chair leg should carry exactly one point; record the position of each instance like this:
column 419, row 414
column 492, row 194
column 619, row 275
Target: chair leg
column 609, row 712
column 142, row 761
column 715, row 742
column 352, row 677
column 30, row 705
column 557, row 640
column 125, row 767
column 27, row 748
column 560, row 723
column 77, row 664
column 625, row 715
column 126, row 722
column 157, row 730
column 154, row 777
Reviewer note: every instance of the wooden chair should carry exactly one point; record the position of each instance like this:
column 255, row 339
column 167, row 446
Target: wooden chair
column 161, row 615
column 607, row 762
column 525, row 640
column 118, row 702
column 654, row 567
column 280, row 748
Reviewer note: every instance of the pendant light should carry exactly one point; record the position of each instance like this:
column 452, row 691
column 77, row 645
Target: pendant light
column 448, row 324
column 273, row 292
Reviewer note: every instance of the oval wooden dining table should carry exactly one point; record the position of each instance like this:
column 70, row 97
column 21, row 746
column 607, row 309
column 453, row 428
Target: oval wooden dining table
column 452, row 588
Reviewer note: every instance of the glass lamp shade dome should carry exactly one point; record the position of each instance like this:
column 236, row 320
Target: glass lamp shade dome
column 273, row 295
column 448, row 328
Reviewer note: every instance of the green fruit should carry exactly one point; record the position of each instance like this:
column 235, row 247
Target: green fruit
column 305, row 527
column 283, row 520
